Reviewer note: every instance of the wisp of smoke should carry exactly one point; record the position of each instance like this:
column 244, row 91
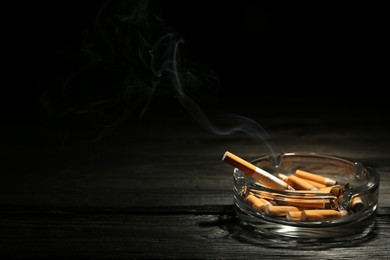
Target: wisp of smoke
column 132, row 58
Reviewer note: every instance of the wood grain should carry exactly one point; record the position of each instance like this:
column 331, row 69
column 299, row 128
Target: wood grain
column 167, row 194
column 154, row 235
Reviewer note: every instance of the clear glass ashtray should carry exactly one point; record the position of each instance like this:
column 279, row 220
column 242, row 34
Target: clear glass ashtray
column 347, row 207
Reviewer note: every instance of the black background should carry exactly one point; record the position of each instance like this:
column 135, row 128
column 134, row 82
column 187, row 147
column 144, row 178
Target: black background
column 290, row 58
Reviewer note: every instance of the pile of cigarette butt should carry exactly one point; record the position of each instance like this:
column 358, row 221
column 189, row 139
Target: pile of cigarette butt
column 307, row 197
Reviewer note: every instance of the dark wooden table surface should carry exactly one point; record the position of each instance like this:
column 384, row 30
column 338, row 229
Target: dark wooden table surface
column 157, row 188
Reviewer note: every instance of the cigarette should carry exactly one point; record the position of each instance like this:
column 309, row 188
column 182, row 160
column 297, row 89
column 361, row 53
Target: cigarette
column 294, row 215
column 299, row 194
column 263, row 195
column 299, row 198
column 256, row 203
column 255, row 172
column 297, row 183
column 314, row 177
column 336, row 190
column 315, row 203
column 279, row 211
column 357, row 204
column 314, row 183
column 315, row 193
column 322, row 214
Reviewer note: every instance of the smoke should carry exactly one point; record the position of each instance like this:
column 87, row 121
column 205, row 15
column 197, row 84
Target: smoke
column 235, row 123
column 131, row 57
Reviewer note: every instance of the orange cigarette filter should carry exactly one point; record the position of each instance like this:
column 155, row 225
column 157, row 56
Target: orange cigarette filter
column 256, row 203
column 314, row 183
column 259, row 174
column 279, row 211
column 315, row 193
column 263, row 195
column 314, row 177
column 336, row 190
column 322, row 214
column 356, row 200
column 340, row 198
column 299, row 194
column 317, row 203
column 297, row 183
column 294, row 215
column 357, row 204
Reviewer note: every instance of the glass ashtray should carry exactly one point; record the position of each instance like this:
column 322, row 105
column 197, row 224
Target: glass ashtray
column 355, row 200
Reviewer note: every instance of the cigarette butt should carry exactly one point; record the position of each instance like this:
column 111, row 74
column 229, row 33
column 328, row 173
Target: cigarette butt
column 316, row 203
column 314, row 177
column 299, row 198
column 255, row 172
column 279, row 210
column 357, row 204
column 300, row 184
column 322, row 214
column 294, row 215
column 263, row 195
column 314, row 183
column 313, row 193
column 256, row 203
column 336, row 190
column 295, row 182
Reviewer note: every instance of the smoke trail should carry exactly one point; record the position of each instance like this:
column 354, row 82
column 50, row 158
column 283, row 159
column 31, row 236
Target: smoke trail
column 178, row 72
column 133, row 58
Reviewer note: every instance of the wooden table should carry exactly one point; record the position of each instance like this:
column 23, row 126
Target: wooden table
column 156, row 187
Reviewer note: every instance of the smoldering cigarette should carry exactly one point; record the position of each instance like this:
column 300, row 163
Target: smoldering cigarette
column 322, row 214
column 256, row 203
column 314, row 177
column 279, row 211
column 255, row 172
column 297, row 183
